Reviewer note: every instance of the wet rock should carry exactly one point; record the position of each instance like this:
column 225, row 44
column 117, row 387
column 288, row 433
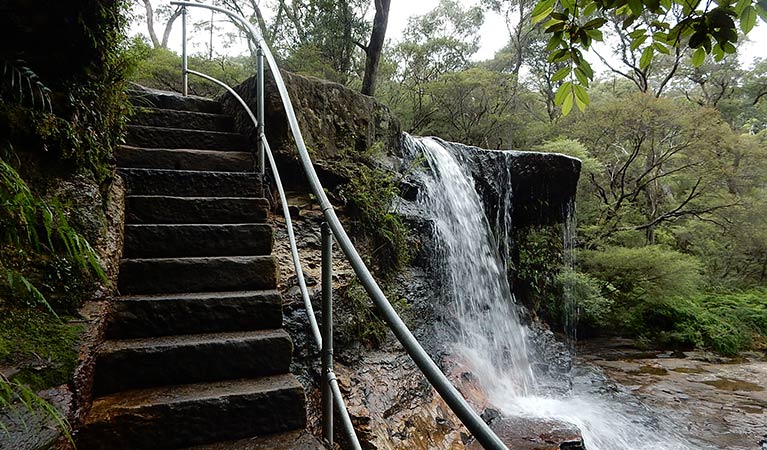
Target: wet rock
column 31, row 427
column 520, row 433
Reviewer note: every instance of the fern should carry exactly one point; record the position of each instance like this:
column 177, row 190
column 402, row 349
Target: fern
column 19, row 82
column 13, row 393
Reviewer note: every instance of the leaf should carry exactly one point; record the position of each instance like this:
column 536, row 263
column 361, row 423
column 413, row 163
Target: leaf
column 636, row 7
column 595, row 23
column 581, row 94
column 554, row 43
column 542, row 15
column 646, row 58
column 562, row 92
column 661, row 48
column 567, row 104
column 748, row 19
column 697, row 39
column 560, row 55
column 595, row 35
column 637, row 42
column 581, row 76
column 637, row 33
column 698, row 57
column 586, row 67
column 761, row 9
column 589, row 9
column 542, row 6
column 560, row 74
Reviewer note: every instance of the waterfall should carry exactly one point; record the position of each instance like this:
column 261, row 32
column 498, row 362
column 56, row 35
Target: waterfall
column 479, row 298
column 488, row 334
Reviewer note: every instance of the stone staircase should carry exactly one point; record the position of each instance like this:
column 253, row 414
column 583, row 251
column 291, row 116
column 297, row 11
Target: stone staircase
column 195, row 353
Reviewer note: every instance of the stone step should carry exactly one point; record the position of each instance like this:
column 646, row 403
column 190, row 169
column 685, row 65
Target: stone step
column 190, row 358
column 190, row 183
column 292, row 440
column 163, row 209
column 171, row 118
column 208, row 274
column 173, row 100
column 138, row 316
column 170, row 417
column 161, row 137
column 184, row 159
column 177, row 240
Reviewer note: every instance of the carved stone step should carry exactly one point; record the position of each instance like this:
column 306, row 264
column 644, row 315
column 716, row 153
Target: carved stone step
column 151, row 98
column 189, row 183
column 209, row 274
column 170, row 417
column 171, row 118
column 293, row 440
column 164, row 209
column 190, row 358
column 138, row 316
column 174, row 240
column 184, row 159
column 161, row 137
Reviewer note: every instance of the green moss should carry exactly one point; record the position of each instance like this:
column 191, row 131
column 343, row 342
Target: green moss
column 44, row 347
column 362, row 321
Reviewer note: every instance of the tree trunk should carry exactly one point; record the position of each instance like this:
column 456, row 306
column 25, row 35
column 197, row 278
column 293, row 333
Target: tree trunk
column 150, row 23
column 375, row 46
column 169, row 26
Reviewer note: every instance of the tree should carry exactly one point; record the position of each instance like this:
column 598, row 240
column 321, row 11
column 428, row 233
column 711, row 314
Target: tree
column 375, row 46
column 166, row 13
column 704, row 27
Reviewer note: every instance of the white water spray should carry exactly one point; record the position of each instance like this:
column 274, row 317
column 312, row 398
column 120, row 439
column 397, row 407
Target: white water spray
column 490, row 336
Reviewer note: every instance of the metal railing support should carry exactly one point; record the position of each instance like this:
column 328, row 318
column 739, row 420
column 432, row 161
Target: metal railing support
column 481, row 431
column 327, row 332
column 184, row 65
column 260, row 107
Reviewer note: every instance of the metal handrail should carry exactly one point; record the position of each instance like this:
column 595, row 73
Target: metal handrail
column 481, row 431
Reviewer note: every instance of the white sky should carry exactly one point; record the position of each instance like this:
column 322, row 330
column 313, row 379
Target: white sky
column 493, row 34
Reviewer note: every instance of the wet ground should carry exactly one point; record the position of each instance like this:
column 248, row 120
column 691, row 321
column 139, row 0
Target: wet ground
column 719, row 400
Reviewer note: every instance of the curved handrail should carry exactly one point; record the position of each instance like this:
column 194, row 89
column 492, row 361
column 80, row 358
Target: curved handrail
column 481, row 431
column 345, row 418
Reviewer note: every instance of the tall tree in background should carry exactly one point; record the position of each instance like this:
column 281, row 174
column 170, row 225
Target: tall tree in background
column 375, row 46
column 165, row 12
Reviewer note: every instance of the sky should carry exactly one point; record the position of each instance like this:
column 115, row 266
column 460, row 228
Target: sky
column 493, row 34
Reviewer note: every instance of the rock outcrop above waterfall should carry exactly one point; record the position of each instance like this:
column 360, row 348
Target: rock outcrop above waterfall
column 339, row 125
column 542, row 184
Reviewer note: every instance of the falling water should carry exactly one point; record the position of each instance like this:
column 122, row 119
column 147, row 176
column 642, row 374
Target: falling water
column 489, row 333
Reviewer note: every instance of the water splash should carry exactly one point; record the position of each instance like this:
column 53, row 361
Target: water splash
column 489, row 334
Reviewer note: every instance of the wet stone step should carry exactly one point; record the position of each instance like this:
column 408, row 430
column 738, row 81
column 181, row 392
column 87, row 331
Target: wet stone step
column 159, row 315
column 170, row 417
column 189, row 183
column 181, row 119
column 293, row 440
column 184, row 159
column 161, row 137
column 207, row 274
column 190, row 359
column 172, row 240
column 151, row 98
column 166, row 209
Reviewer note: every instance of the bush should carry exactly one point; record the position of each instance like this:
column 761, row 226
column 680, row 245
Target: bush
column 584, row 293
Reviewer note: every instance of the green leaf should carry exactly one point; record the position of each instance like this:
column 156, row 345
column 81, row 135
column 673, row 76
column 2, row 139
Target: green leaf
column 581, row 76
column 761, row 9
column 567, row 104
column 646, row 58
column 740, row 6
column 595, row 35
column 595, row 23
column 636, row 7
column 661, row 48
column 542, row 6
column 748, row 19
column 586, row 67
column 581, row 94
column 589, row 9
column 637, row 33
column 542, row 15
column 568, row 4
column 637, row 42
column 560, row 74
column 563, row 91
column 554, row 43
column 698, row 57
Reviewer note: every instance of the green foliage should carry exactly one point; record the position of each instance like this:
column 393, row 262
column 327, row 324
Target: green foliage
column 371, row 193
column 13, row 393
column 539, row 261
column 593, row 306
column 363, row 323
column 654, row 27
column 160, row 68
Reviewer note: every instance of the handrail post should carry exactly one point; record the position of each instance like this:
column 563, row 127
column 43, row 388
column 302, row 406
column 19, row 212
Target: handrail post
column 184, row 66
column 327, row 332
column 260, row 107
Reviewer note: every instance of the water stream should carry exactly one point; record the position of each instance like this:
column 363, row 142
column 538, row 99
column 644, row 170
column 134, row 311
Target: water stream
column 490, row 336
